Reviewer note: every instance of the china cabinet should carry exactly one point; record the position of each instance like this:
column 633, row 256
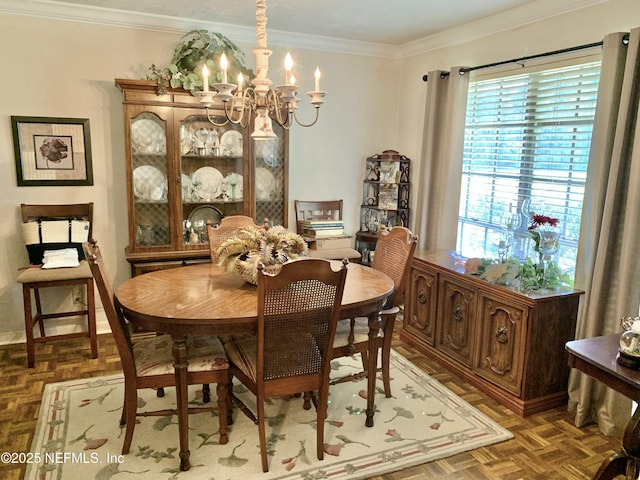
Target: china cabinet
column 385, row 197
column 508, row 343
column 185, row 168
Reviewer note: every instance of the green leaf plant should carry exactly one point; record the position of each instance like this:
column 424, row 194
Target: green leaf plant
column 194, row 50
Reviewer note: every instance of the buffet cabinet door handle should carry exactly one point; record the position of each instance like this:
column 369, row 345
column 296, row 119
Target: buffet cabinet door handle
column 457, row 313
column 501, row 335
column 422, row 297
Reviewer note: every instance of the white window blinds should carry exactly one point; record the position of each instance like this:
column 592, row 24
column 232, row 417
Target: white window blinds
column 527, row 141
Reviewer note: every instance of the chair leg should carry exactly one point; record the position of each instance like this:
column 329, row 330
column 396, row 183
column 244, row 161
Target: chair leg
column 307, row 400
column 36, row 294
column 263, row 436
column 28, row 325
column 129, row 414
column 321, row 409
column 206, row 393
column 386, row 354
column 223, row 414
column 91, row 319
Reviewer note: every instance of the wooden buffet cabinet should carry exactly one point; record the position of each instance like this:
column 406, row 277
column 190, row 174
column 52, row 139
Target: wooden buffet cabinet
column 509, row 344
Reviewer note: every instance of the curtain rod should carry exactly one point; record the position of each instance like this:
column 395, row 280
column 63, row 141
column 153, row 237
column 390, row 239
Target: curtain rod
column 530, row 57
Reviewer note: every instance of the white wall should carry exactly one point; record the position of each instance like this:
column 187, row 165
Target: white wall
column 54, row 68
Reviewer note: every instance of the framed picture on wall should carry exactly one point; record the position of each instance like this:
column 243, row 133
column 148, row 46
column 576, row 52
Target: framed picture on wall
column 52, row 151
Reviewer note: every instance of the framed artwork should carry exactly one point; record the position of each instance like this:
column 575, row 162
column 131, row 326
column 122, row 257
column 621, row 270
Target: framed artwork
column 52, row 151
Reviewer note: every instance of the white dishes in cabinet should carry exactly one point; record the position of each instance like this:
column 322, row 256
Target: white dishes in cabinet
column 147, row 136
column 231, row 142
column 265, row 184
column 207, row 183
column 149, row 183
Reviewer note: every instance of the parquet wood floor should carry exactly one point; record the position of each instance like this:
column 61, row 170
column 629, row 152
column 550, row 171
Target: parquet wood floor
column 546, row 445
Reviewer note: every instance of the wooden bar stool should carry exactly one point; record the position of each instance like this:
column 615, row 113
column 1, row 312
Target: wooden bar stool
column 34, row 277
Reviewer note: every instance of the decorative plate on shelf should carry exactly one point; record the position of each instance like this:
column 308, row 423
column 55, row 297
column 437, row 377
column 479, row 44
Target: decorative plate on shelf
column 207, row 183
column 265, row 184
column 234, row 186
column 147, row 136
column 200, row 215
column 231, row 142
column 149, row 183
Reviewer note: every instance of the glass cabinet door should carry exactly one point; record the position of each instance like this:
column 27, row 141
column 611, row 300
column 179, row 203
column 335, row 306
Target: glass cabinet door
column 211, row 174
column 270, row 178
column 149, row 180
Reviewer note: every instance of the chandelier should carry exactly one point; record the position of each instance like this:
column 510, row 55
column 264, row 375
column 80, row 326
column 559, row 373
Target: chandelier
column 260, row 100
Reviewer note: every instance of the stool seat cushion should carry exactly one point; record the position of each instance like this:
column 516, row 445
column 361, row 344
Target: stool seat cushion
column 38, row 274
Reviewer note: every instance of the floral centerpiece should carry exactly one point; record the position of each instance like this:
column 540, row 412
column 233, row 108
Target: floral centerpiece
column 527, row 274
column 251, row 246
column 545, row 235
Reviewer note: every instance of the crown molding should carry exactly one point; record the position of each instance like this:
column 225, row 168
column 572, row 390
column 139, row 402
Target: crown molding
column 528, row 13
column 146, row 21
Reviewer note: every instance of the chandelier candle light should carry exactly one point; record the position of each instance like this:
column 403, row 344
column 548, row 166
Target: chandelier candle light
column 240, row 103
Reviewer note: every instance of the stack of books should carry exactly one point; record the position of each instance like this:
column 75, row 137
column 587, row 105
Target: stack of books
column 322, row 228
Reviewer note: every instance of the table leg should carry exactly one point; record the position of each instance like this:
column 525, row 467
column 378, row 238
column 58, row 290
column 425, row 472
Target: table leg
column 626, row 462
column 180, row 366
column 372, row 368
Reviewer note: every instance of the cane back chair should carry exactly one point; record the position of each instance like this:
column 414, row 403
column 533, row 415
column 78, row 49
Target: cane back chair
column 298, row 311
column 393, row 256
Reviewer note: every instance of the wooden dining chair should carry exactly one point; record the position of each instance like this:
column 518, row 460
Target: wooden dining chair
column 323, row 210
column 298, row 310
column 226, row 229
column 317, row 210
column 34, row 278
column 393, row 256
column 148, row 363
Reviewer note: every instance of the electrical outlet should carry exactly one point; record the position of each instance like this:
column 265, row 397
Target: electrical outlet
column 77, row 294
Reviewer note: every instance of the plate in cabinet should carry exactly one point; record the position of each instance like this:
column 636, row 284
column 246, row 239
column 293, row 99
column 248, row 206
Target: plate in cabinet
column 147, row 136
column 207, row 183
column 265, row 184
column 149, row 183
column 231, row 141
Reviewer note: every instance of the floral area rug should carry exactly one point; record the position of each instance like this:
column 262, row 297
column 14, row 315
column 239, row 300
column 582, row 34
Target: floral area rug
column 79, row 437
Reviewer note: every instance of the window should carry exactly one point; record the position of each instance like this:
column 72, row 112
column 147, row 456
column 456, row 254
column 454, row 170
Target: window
column 526, row 149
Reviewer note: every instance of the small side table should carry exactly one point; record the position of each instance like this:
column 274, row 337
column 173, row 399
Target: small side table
column 597, row 358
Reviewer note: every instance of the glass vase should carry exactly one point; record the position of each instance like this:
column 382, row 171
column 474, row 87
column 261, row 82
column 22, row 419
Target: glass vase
column 547, row 239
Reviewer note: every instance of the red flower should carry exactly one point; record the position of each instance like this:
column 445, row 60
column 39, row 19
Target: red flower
column 539, row 220
column 435, row 426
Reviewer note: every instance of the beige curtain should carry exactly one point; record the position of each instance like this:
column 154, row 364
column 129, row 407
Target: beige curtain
column 440, row 169
column 608, row 264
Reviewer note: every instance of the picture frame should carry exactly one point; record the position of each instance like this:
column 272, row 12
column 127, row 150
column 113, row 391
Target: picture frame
column 52, row 151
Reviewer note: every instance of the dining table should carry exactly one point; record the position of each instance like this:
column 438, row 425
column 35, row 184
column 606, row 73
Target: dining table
column 207, row 299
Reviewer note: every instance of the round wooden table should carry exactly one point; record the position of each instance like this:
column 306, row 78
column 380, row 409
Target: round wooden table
column 204, row 299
